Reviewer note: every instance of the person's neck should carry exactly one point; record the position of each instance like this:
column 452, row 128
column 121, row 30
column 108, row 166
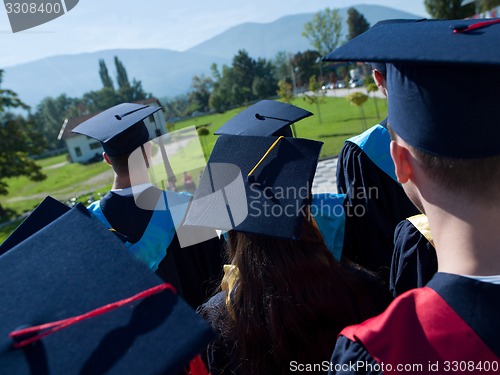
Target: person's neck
column 121, row 182
column 467, row 238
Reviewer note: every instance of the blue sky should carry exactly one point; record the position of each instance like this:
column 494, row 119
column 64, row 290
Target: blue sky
column 176, row 25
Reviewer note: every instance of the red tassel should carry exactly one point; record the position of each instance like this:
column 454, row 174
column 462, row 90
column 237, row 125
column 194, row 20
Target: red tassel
column 197, row 367
column 25, row 336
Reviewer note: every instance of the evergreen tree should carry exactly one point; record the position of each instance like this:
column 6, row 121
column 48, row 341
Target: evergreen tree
column 121, row 74
column 103, row 73
column 356, row 23
column 449, row 9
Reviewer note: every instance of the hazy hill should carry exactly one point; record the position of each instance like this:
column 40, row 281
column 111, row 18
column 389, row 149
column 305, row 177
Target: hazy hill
column 165, row 72
column 284, row 34
column 162, row 72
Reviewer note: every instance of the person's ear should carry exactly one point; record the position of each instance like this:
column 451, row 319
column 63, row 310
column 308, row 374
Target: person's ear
column 106, row 158
column 402, row 162
column 379, row 78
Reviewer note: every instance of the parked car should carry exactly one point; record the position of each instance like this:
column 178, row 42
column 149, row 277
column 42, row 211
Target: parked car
column 327, row 86
column 355, row 83
column 340, row 85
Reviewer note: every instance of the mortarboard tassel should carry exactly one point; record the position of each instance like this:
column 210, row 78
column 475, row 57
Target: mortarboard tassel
column 25, row 336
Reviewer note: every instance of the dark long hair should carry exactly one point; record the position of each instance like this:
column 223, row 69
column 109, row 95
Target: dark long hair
column 291, row 301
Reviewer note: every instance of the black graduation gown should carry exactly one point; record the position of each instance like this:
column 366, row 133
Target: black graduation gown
column 195, row 271
column 221, row 354
column 414, row 260
column 369, row 237
column 476, row 303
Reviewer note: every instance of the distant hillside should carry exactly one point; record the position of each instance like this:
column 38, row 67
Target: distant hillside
column 165, row 72
column 161, row 71
column 284, row 34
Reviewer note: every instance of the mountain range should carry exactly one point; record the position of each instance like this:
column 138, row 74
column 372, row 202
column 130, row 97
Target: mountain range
column 165, row 72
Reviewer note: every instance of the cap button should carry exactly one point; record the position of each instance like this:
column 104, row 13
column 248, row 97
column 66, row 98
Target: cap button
column 459, row 27
column 18, row 338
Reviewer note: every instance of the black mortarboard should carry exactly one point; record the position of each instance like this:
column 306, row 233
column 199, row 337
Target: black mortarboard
column 75, row 265
column 265, row 118
column 120, row 129
column 256, row 185
column 443, row 79
column 45, row 213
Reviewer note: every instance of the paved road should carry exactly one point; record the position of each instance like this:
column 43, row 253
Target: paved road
column 345, row 92
column 324, row 179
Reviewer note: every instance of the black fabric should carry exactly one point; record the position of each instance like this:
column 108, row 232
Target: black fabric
column 427, row 108
column 369, row 300
column 45, row 213
column 220, row 354
column 423, row 42
column 369, row 237
column 476, row 302
column 120, row 129
column 264, row 118
column 71, row 267
column 125, row 216
column 195, row 271
column 271, row 200
column 414, row 261
column 345, row 359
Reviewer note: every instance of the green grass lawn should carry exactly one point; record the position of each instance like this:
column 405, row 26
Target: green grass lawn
column 63, row 182
column 339, row 120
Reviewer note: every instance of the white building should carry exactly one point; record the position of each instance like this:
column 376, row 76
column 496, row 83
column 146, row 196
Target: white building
column 82, row 149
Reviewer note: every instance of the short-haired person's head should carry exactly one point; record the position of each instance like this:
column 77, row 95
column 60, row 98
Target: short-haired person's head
column 474, row 179
column 445, row 127
column 379, row 72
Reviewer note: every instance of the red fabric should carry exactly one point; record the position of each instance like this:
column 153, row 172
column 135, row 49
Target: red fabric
column 197, row 367
column 476, row 26
column 28, row 335
column 420, row 327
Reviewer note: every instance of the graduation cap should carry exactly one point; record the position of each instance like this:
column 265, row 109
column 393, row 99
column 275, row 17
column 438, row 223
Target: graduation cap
column 45, row 213
column 72, row 268
column 443, row 79
column 265, row 118
column 256, row 185
column 120, row 129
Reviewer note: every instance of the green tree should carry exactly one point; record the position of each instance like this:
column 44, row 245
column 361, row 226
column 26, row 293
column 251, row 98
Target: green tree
column 324, row 31
column 102, row 99
column 18, row 139
column 241, row 83
column 285, row 91
column 176, row 107
column 305, row 66
column 121, row 74
column 104, row 74
column 50, row 115
column 316, row 95
column 358, row 99
column 485, row 5
column 356, row 23
column 371, row 88
column 264, row 82
column 449, row 9
column 281, row 66
column 200, row 96
column 133, row 93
